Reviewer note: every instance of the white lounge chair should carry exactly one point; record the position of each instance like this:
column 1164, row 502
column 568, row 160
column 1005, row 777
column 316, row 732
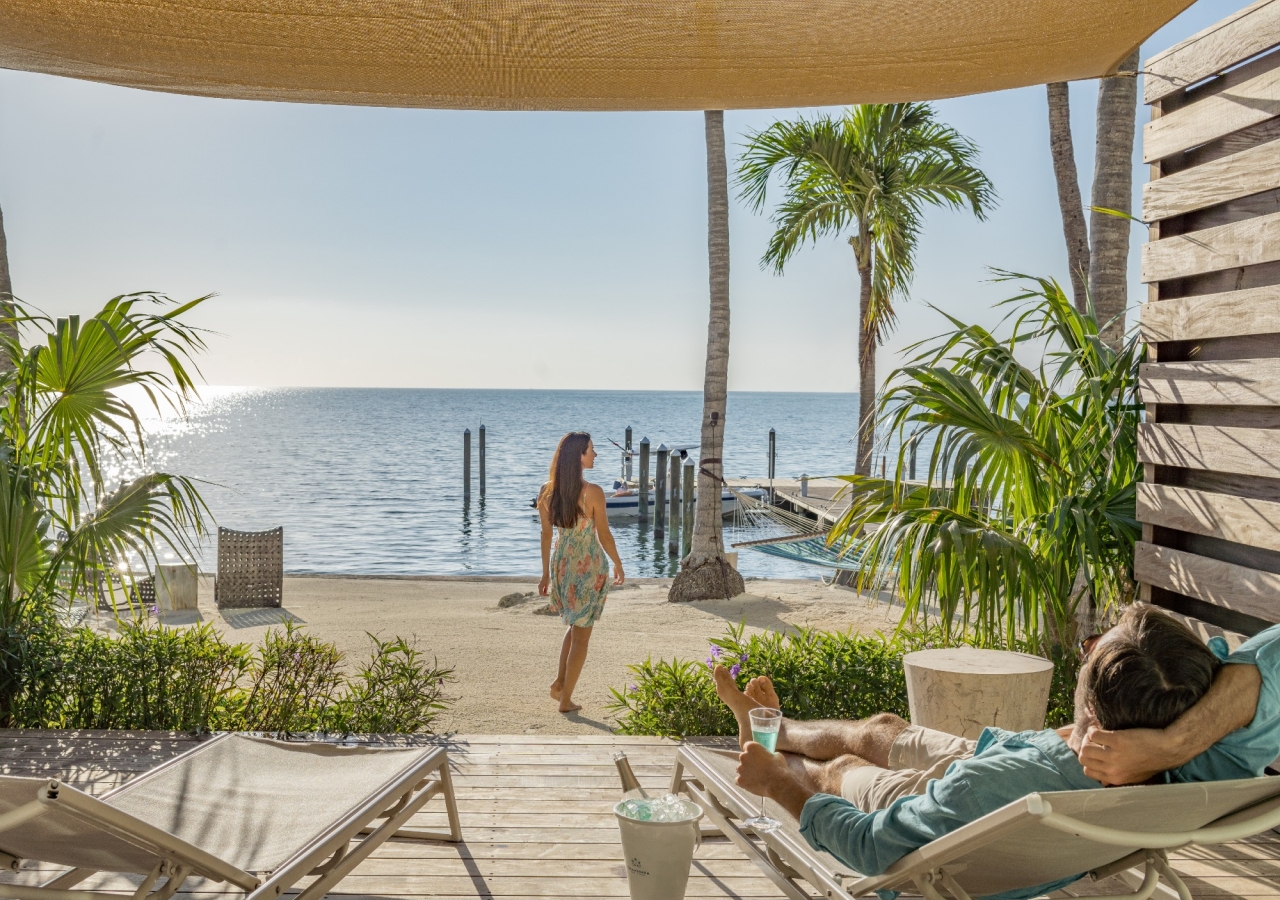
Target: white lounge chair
column 1039, row 839
column 255, row 813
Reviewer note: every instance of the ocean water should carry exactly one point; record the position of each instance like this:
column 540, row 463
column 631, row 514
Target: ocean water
column 369, row 481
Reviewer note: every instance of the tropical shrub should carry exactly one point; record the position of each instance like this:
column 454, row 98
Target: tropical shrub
column 818, row 675
column 1025, row 520
column 67, row 522
column 156, row 678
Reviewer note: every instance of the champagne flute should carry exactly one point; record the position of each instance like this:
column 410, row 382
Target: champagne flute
column 765, row 725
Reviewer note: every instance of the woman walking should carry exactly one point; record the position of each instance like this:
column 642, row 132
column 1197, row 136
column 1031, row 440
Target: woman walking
column 577, row 574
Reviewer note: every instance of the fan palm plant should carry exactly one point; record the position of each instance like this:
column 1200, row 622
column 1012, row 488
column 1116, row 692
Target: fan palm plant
column 68, row 519
column 872, row 170
column 1027, row 507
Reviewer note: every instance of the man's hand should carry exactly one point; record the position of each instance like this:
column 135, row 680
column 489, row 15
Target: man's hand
column 1125, row 757
column 768, row 775
column 760, row 771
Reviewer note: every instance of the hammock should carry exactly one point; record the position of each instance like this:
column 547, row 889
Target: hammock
column 804, row 544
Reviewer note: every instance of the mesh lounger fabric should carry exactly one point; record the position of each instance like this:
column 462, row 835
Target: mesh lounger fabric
column 577, row 54
column 250, row 802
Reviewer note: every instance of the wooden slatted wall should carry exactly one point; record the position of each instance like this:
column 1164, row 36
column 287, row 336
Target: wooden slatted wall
column 1210, row 504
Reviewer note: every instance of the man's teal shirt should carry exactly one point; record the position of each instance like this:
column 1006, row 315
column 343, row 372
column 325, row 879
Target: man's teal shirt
column 1245, row 752
column 1006, row 767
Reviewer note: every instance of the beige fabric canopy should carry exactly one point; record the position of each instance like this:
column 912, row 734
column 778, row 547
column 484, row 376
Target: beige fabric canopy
column 576, row 54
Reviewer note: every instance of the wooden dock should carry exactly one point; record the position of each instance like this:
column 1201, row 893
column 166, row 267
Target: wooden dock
column 536, row 822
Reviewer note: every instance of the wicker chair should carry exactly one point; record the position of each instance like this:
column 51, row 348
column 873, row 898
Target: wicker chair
column 250, row 569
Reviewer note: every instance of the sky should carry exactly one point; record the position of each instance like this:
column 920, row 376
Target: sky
column 361, row 247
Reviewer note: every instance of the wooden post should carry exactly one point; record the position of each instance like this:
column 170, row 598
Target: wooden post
column 644, row 479
column 804, row 485
column 660, row 492
column 773, row 459
column 626, row 464
column 674, row 546
column 687, row 501
column 481, row 448
column 466, row 466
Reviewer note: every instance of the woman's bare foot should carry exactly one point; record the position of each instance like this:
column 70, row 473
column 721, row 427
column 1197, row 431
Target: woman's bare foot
column 570, row 707
column 739, row 703
column 555, row 690
column 760, row 689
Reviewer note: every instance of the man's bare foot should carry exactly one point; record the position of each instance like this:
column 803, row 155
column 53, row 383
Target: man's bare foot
column 739, row 703
column 570, row 707
column 760, row 689
column 555, row 690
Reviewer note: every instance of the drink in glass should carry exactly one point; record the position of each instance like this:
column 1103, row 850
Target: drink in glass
column 765, row 725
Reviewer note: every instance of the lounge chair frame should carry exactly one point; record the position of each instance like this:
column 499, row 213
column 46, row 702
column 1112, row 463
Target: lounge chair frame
column 331, row 855
column 791, row 864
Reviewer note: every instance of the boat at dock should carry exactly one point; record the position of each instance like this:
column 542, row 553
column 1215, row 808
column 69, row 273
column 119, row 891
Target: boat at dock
column 625, row 502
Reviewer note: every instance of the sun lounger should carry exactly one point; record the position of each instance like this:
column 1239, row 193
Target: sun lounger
column 255, row 813
column 1037, row 840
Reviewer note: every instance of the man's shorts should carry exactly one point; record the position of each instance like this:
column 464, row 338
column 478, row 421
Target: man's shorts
column 917, row 756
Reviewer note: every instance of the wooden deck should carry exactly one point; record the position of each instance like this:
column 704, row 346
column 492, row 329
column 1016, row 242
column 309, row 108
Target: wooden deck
column 536, row 821
column 824, row 503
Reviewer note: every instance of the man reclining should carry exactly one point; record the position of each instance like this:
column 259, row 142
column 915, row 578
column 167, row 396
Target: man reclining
column 871, row 791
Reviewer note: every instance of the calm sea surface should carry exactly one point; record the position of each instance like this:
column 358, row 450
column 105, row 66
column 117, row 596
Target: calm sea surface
column 370, row 481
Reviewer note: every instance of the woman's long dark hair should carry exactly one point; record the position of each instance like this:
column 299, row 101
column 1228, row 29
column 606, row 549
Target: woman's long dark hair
column 564, row 488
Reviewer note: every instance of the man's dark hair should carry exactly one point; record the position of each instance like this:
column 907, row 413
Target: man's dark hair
column 1149, row 670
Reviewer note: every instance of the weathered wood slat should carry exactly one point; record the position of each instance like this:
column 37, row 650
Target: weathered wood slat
column 1244, row 521
column 1241, row 382
column 1243, row 451
column 1230, row 246
column 1221, row 45
column 1238, row 588
column 1240, row 106
column 1239, row 175
column 1228, row 314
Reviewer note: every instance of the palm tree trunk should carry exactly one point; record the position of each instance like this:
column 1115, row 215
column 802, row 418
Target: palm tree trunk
column 1113, row 190
column 866, row 361
column 7, row 325
column 705, row 574
column 1062, row 149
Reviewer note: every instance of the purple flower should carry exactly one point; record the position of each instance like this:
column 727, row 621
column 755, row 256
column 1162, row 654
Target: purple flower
column 154, row 610
column 711, row 663
column 716, row 651
column 742, row 658
column 734, row 670
column 632, row 688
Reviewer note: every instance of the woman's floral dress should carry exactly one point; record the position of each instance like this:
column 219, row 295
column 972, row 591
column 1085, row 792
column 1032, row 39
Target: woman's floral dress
column 579, row 574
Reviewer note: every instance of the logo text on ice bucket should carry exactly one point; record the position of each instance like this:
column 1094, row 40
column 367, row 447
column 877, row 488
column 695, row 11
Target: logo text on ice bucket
column 636, row 866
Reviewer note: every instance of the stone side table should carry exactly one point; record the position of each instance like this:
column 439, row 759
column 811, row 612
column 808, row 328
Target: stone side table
column 962, row 690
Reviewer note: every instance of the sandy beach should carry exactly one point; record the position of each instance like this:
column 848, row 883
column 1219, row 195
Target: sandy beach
column 505, row 657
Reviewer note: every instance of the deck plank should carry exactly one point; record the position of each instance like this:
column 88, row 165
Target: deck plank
column 537, row 822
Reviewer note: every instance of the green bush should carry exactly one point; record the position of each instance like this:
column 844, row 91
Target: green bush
column 157, row 678
column 818, row 675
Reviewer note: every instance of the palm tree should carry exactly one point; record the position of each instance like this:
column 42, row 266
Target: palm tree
column 66, row 522
column 873, row 170
column 1074, row 229
column 1112, row 193
column 705, row 574
column 1027, row 511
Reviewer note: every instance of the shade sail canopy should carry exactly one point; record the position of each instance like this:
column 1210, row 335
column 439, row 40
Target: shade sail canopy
column 576, row 54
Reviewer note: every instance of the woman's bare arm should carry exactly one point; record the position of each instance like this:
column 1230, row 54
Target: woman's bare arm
column 1135, row 755
column 600, row 515
column 544, row 513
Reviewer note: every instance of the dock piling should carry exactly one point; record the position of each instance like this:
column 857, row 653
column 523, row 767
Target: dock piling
column 660, row 493
column 481, row 449
column 626, row 457
column 773, row 459
column 466, row 465
column 644, row 479
column 687, row 501
column 804, row 485
column 912, row 463
column 674, row 546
